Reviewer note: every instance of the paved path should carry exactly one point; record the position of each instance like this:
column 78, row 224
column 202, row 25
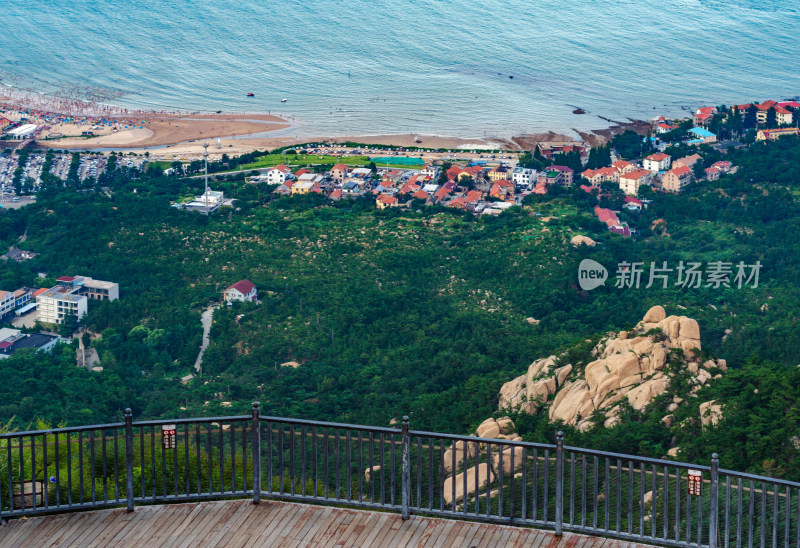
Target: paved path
column 205, row 319
column 243, row 524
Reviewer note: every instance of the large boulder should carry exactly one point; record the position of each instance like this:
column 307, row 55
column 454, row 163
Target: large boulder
column 643, row 394
column 488, row 429
column 582, row 240
column 569, row 401
column 482, row 473
column 462, row 450
column 511, row 392
column 655, row 314
column 689, row 328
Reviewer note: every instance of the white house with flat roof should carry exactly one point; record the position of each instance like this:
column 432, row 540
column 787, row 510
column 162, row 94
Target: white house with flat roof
column 22, row 132
column 57, row 302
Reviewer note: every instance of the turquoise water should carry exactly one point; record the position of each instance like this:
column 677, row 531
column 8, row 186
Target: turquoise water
column 428, row 66
column 399, row 160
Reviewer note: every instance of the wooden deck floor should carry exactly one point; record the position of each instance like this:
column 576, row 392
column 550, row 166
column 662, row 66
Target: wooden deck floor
column 274, row 524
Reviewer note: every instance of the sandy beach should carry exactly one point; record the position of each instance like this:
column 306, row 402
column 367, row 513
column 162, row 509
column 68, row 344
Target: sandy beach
column 86, row 125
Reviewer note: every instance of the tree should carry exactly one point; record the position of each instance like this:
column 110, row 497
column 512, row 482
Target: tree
column 467, row 181
column 69, row 324
column 772, row 118
column 750, row 120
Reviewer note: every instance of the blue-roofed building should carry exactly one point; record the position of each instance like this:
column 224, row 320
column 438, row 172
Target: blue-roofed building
column 701, row 135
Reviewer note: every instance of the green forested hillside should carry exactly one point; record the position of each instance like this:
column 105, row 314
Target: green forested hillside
column 394, row 312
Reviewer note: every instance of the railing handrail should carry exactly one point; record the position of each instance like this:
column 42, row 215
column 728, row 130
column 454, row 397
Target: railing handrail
column 116, row 446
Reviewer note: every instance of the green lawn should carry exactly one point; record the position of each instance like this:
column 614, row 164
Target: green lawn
column 272, row 160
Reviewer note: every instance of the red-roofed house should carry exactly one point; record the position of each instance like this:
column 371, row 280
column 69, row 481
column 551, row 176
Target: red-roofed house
column 703, row 115
column 420, row 195
column 623, row 167
column 783, row 116
column 772, row 134
column 68, row 279
column 243, row 290
column 453, row 172
column 612, row 221
column 301, row 171
column 662, row 127
column 339, row 172
column 687, row 161
column 40, row 291
column 716, row 169
column 630, row 201
column 441, row 194
column 474, row 196
column 657, row 162
column 597, row 176
column 458, row 203
column 629, row 183
column 385, row 200
column 675, row 179
column 336, row 195
column 567, row 174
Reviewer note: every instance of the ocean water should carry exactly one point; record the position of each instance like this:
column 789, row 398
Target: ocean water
column 427, row 66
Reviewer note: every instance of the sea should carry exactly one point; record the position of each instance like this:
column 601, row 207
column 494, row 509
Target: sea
column 481, row 68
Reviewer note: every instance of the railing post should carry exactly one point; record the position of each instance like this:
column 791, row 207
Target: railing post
column 559, row 518
column 406, row 470
column 713, row 521
column 256, row 433
column 129, row 457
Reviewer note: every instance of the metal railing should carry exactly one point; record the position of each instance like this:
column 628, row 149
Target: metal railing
column 399, row 470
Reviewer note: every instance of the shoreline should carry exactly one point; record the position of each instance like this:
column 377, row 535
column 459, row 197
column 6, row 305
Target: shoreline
column 65, row 123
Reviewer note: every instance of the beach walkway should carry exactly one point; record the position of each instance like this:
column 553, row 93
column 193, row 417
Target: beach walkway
column 240, row 523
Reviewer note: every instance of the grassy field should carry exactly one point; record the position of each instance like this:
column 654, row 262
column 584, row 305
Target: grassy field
column 272, row 160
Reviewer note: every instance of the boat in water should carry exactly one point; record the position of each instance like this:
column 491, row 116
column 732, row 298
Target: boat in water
column 284, row 100
column 251, row 94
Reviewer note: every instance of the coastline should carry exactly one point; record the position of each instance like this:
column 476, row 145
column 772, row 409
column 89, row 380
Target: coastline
column 75, row 124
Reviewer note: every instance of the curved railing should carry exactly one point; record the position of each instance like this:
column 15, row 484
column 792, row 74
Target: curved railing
column 395, row 469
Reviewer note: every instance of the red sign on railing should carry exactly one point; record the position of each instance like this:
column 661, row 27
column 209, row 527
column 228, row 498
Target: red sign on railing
column 168, row 436
column 695, row 482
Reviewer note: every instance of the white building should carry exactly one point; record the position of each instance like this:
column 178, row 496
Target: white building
column 7, row 301
column 629, row 183
column 22, row 132
column 243, row 290
column 524, row 178
column 278, row 175
column 57, row 302
column 98, row 289
column 657, row 162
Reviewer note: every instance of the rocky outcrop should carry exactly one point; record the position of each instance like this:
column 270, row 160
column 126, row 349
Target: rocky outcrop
column 629, row 365
column 582, row 240
column 710, row 413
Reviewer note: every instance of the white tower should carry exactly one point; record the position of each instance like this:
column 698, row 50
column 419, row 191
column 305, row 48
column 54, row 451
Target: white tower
column 205, row 157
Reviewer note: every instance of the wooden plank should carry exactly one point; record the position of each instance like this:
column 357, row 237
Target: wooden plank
column 395, row 522
column 325, row 529
column 280, row 524
column 229, row 514
column 438, row 533
column 305, row 518
column 278, row 529
column 181, row 524
column 235, row 523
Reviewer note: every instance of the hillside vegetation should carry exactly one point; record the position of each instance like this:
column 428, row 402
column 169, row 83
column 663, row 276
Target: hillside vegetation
column 405, row 312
